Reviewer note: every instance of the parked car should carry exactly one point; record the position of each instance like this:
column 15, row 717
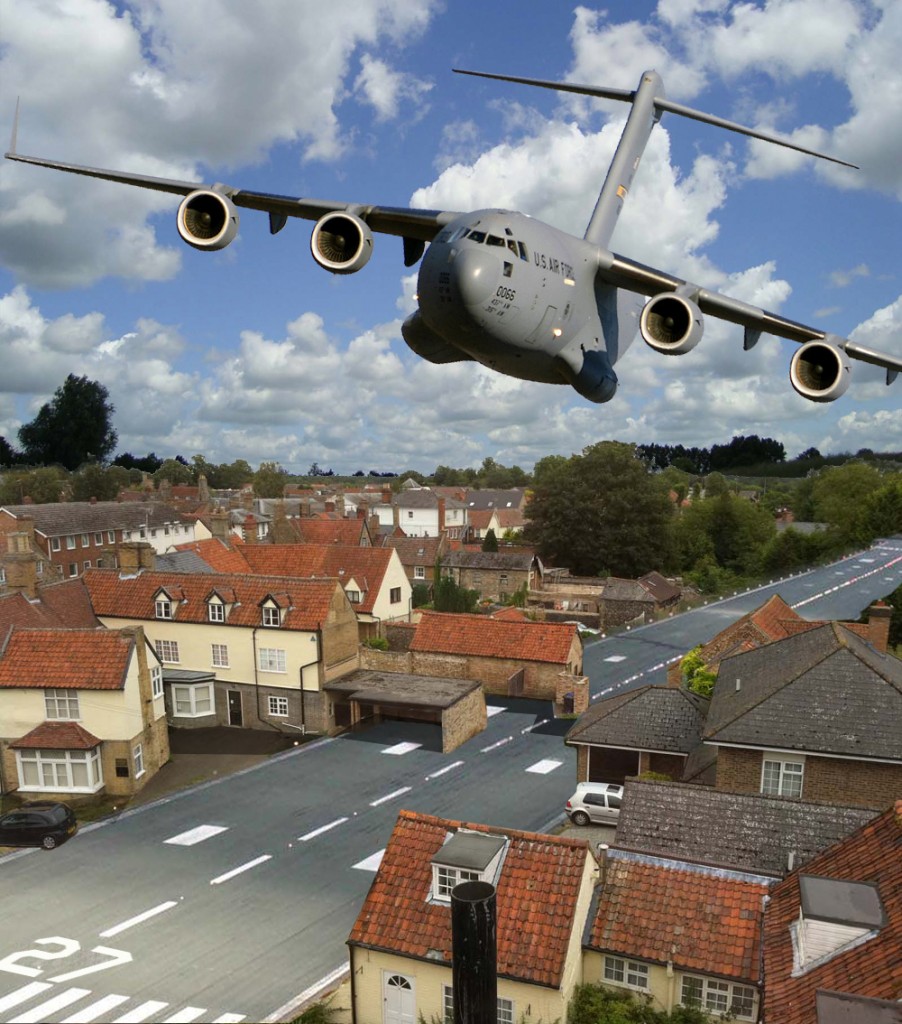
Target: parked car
column 41, row 823
column 595, row 802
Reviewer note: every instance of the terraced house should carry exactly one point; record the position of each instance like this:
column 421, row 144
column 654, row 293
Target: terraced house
column 249, row 651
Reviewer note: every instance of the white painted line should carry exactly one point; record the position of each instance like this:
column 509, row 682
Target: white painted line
column 49, row 1006
column 290, row 1008
column 544, row 767
column 323, row 828
column 495, row 746
column 196, row 835
column 244, row 867
column 443, row 771
column 138, row 919
column 141, row 1012
column 99, row 1008
column 371, row 863
column 491, row 709
column 401, row 748
column 229, row 1018
column 390, row 796
column 535, row 725
column 23, row 994
column 616, row 657
column 186, row 1015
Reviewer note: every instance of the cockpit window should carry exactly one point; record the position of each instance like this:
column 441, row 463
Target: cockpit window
column 476, row 236
column 459, row 233
column 494, row 240
column 524, row 255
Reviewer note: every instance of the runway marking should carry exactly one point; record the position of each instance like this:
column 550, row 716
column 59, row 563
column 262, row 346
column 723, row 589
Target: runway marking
column 443, row 771
column 141, row 1012
column 616, row 657
column 494, row 746
column 492, row 709
column 138, row 919
column 370, row 863
column 544, row 767
column 390, row 796
column 401, row 748
column 43, row 1010
column 535, row 725
column 196, row 835
column 98, row 1008
column 229, row 1018
column 23, row 994
column 323, row 828
column 186, row 1015
column 239, row 870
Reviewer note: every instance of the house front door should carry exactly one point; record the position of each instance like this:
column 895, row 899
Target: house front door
column 235, row 716
column 398, row 1000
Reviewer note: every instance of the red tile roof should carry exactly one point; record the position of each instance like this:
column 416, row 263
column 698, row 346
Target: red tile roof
column 873, row 968
column 64, row 604
column 700, row 918
column 219, row 556
column 132, row 597
column 83, row 659
column 536, row 899
column 350, row 532
column 57, row 736
column 481, row 636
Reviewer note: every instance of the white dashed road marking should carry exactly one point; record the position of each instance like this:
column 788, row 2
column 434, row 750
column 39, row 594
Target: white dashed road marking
column 616, row 657
column 239, row 870
column 402, row 748
column 196, row 835
column 390, row 796
column 138, row 919
column 323, row 828
column 442, row 771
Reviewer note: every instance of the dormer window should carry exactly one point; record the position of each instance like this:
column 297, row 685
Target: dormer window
column 466, row 857
column 834, row 914
column 353, row 596
column 163, row 607
column 271, row 615
column 216, row 611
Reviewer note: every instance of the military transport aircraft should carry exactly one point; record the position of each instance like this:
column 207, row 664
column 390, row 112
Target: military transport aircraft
column 517, row 295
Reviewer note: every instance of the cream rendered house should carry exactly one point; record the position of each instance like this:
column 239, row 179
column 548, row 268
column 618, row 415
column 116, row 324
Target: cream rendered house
column 400, row 946
column 82, row 712
column 248, row 651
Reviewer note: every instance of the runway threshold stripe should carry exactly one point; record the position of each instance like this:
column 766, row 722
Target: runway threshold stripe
column 142, row 1012
column 23, row 994
column 239, row 870
column 138, row 919
column 390, row 796
column 186, row 1015
column 323, row 828
column 97, row 1009
column 49, row 1006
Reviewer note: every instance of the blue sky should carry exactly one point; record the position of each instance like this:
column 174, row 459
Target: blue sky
column 256, row 353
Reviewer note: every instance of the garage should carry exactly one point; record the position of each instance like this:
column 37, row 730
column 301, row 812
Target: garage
column 455, row 706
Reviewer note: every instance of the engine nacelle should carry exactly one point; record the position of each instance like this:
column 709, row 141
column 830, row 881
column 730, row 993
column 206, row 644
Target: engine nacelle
column 207, row 220
column 671, row 324
column 820, row 372
column 341, row 243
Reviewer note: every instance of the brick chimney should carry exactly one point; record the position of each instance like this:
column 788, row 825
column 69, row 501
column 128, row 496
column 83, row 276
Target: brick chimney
column 249, row 529
column 879, row 615
column 21, row 560
column 219, row 524
column 441, row 515
column 135, row 555
column 386, row 495
column 203, row 489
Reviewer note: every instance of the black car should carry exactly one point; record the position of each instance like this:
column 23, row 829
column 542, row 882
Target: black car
column 41, row 823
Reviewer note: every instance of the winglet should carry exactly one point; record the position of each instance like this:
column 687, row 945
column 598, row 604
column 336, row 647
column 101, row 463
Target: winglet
column 15, row 132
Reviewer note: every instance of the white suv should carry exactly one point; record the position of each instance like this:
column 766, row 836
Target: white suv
column 597, row 802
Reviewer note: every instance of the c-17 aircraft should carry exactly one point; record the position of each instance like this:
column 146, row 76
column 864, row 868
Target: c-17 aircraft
column 519, row 296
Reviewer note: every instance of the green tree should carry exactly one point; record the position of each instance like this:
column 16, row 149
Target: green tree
column 490, row 541
column 601, row 509
column 42, row 486
column 175, row 471
column 74, row 427
column 448, row 596
column 8, row 457
column 696, row 674
column 93, row 481
column 839, row 497
column 269, row 480
column 883, row 509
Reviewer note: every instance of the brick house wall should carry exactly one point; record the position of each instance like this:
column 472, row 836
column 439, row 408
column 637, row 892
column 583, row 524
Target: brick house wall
column 493, row 584
column 615, row 614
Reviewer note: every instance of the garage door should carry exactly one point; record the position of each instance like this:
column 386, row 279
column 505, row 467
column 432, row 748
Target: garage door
column 612, row 765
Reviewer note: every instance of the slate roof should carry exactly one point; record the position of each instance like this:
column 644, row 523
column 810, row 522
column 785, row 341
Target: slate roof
column 494, row 498
column 824, row 691
column 660, row 910
column 736, row 830
column 416, row 550
column 65, row 603
column 536, row 899
column 873, row 968
column 660, row 588
column 660, row 718
column 82, row 659
column 57, row 736
column 498, row 561
column 181, row 561
column 132, row 597
column 58, row 519
column 481, row 636
column 615, row 589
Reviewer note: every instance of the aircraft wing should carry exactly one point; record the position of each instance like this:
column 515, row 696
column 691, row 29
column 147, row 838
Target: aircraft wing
column 637, row 277
column 421, row 225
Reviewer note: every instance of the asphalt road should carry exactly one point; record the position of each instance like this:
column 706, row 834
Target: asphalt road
column 224, row 902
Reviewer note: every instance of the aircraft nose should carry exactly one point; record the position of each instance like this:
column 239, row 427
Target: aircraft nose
column 475, row 275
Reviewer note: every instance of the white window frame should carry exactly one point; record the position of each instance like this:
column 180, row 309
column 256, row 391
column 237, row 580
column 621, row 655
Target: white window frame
column 714, row 992
column 87, row 563
column 353, row 596
column 59, row 763
column 111, row 536
column 61, row 705
column 216, row 611
column 55, row 544
column 167, row 651
column 444, row 879
column 272, row 659
column 278, row 706
column 138, row 760
column 156, row 681
column 70, row 543
column 419, row 572
column 86, row 540
column 219, row 655
column 394, row 595
column 505, row 1012
column 790, row 769
column 98, row 539
column 272, row 617
column 2, row 575
column 625, row 973
column 193, row 700
column 73, row 569
column 163, row 608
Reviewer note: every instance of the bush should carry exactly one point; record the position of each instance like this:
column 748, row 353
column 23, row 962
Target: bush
column 377, row 643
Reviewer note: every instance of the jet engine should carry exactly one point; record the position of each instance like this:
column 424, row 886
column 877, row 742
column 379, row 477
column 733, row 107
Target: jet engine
column 207, row 220
column 341, row 243
column 820, row 371
column 671, row 324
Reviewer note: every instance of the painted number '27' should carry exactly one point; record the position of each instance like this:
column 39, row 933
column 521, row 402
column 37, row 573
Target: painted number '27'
column 113, row 958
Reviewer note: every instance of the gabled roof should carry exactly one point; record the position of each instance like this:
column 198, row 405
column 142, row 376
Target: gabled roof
column 736, row 830
column 72, row 517
column 348, row 532
column 218, row 555
column 416, row 550
column 495, row 498
column 481, row 636
column 57, row 736
column 625, row 590
column 871, row 968
column 537, row 895
column 660, row 910
column 660, row 588
column 497, row 561
column 65, row 603
column 823, row 691
column 131, row 597
column 660, row 718
column 82, row 659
